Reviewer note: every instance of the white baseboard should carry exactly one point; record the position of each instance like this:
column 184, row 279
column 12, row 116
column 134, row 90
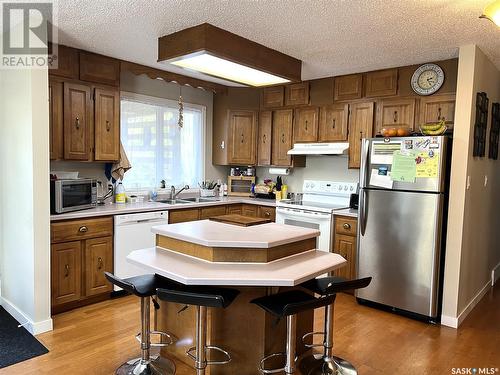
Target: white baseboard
column 34, row 328
column 449, row 321
column 495, row 274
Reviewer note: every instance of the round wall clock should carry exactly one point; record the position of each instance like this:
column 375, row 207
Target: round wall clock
column 427, row 79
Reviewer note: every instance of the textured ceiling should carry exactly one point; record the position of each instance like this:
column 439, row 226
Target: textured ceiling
column 331, row 37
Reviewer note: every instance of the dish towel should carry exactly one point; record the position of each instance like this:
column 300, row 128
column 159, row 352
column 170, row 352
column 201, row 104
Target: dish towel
column 116, row 171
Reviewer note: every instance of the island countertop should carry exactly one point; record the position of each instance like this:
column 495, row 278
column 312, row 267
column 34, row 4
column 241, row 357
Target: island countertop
column 289, row 271
column 215, row 234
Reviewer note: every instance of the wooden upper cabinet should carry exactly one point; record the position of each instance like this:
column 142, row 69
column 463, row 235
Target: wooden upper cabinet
column 436, row 107
column 107, row 124
column 56, row 140
column 67, row 62
column 333, row 123
column 395, row 113
column 272, row 97
column 305, row 127
column 77, row 121
column 242, row 137
column 297, row 94
column 382, row 83
column 282, row 137
column 65, row 269
column 360, row 126
column 98, row 259
column 100, row 69
column 265, row 138
column 348, row 87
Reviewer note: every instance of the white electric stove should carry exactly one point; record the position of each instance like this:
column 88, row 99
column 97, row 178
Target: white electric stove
column 314, row 208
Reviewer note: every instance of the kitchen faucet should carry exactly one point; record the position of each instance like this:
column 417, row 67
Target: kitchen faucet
column 173, row 194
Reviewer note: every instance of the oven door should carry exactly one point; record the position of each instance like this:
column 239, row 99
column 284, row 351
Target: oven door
column 321, row 221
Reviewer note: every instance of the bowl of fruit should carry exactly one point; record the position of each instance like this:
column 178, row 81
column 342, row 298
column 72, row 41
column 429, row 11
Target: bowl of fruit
column 395, row 132
column 437, row 128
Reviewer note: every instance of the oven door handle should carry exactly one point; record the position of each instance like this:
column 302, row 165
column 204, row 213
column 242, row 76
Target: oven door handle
column 302, row 214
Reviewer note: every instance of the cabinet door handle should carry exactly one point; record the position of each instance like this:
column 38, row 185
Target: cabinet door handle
column 306, row 124
column 360, row 136
column 395, row 116
column 99, row 263
column 77, row 123
column 347, row 226
column 439, row 113
column 66, row 272
column 267, row 213
column 264, row 138
column 242, row 138
column 108, row 126
column 283, row 138
column 83, row 229
column 333, row 124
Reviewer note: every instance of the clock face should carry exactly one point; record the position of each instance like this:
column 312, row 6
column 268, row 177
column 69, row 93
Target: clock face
column 427, row 79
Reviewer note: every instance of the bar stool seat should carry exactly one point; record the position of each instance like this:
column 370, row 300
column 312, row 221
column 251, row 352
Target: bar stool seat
column 144, row 287
column 288, row 304
column 327, row 363
column 202, row 297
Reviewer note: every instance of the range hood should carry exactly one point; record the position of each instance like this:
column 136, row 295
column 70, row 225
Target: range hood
column 338, row 148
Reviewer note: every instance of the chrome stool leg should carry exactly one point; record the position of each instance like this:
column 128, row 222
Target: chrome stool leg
column 200, row 350
column 144, row 365
column 291, row 344
column 327, row 364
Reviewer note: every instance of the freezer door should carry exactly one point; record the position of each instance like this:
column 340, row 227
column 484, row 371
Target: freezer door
column 377, row 156
column 399, row 240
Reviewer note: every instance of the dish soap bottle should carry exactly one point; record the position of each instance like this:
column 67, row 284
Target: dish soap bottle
column 120, row 193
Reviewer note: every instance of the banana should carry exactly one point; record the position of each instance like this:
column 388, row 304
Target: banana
column 433, row 127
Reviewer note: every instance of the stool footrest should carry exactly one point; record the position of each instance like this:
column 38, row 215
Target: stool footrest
column 211, row 347
column 311, row 334
column 171, row 339
column 271, row 371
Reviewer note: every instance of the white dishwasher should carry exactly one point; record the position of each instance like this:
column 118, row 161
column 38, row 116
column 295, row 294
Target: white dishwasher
column 133, row 232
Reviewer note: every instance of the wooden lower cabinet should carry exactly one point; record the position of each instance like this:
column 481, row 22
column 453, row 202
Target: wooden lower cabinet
column 207, row 212
column 66, row 274
column 183, row 215
column 98, row 259
column 249, row 210
column 78, row 265
column 191, row 214
column 234, row 209
column 267, row 212
column 345, row 245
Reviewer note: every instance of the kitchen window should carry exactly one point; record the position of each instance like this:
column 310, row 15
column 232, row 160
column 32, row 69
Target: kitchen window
column 155, row 145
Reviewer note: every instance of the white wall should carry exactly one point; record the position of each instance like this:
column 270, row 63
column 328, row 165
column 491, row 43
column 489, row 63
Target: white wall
column 328, row 168
column 24, row 197
column 473, row 239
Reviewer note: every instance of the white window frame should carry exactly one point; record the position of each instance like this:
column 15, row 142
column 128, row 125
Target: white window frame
column 154, row 100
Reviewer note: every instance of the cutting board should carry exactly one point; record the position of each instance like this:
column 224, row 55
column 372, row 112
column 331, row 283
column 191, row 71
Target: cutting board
column 243, row 221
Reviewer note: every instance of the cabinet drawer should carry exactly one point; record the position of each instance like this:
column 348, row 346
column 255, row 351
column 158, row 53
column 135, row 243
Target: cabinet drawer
column 208, row 212
column 81, row 229
column 267, row 212
column 346, row 225
column 180, row 216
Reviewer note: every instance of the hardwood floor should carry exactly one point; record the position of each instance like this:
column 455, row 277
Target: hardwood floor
column 98, row 338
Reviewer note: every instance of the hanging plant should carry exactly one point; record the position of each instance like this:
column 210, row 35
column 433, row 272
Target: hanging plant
column 181, row 110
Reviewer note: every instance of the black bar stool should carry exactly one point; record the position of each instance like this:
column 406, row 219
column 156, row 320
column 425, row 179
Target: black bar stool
column 145, row 286
column 202, row 298
column 289, row 304
column 327, row 363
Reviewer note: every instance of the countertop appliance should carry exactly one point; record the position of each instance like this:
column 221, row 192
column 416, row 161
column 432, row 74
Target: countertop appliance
column 315, row 206
column 72, row 195
column 133, row 232
column 402, row 212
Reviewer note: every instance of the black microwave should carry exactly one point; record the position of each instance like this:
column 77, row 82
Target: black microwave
column 72, row 195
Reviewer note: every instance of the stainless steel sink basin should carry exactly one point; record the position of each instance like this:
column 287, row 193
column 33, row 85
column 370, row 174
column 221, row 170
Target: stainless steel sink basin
column 174, row 201
column 201, row 200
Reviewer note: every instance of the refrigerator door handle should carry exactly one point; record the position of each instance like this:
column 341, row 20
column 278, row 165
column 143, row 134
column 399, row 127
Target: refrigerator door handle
column 363, row 175
column 363, row 204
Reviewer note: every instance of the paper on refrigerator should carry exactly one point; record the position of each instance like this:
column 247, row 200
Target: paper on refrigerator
column 381, row 180
column 382, row 152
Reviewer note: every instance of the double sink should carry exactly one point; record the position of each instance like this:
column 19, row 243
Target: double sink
column 189, row 200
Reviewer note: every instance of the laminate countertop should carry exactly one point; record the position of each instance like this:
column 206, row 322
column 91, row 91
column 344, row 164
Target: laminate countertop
column 110, row 209
column 215, row 234
column 289, row 271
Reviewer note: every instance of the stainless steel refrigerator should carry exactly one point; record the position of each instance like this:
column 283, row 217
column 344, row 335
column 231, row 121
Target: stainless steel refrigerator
column 403, row 198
